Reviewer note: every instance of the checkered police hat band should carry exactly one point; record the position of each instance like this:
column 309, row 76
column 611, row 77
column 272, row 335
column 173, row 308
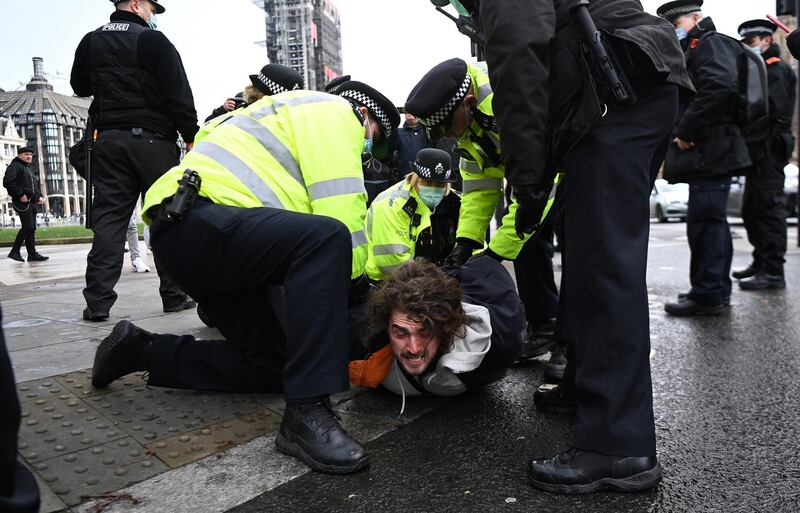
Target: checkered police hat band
column 681, row 10
column 754, row 31
column 274, row 87
column 441, row 114
column 373, row 107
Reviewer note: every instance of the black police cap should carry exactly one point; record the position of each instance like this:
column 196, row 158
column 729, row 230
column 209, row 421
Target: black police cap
column 334, row 85
column 159, row 8
column 381, row 108
column 24, row 149
column 757, row 28
column 276, row 78
column 434, row 165
column 442, row 88
column 671, row 11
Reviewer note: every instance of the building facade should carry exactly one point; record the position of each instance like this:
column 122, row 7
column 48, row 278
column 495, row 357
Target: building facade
column 50, row 123
column 306, row 36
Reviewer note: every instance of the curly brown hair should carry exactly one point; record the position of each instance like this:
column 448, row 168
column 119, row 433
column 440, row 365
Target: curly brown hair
column 427, row 295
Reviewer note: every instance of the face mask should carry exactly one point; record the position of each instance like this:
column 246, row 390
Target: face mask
column 431, row 196
column 152, row 23
column 368, row 144
column 681, row 33
column 756, row 50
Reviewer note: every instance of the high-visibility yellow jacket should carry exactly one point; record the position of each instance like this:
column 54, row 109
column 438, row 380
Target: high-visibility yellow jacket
column 393, row 229
column 297, row 151
column 483, row 172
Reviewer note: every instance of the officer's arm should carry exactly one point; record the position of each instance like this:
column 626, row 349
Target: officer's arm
column 159, row 56
column 80, row 78
column 716, row 85
column 390, row 244
column 479, row 195
column 518, row 35
column 781, row 92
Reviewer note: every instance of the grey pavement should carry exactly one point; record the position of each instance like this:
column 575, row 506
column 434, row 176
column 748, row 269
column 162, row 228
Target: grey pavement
column 726, row 402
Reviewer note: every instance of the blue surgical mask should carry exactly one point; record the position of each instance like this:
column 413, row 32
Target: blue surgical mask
column 431, row 196
column 368, row 146
column 152, row 23
column 681, row 33
column 756, row 49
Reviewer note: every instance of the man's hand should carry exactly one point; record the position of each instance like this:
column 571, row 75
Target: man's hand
column 531, row 202
column 23, row 198
column 229, row 104
column 683, row 145
column 189, row 146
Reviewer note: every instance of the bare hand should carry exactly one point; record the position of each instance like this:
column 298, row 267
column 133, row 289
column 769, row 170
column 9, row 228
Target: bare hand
column 229, row 105
column 683, row 145
column 23, row 198
column 189, row 146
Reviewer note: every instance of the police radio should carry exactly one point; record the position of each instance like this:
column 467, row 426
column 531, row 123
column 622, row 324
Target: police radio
column 183, row 201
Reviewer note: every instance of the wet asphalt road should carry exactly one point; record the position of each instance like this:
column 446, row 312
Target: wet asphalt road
column 727, row 405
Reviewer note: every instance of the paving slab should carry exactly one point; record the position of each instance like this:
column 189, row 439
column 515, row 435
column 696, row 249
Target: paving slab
column 40, row 362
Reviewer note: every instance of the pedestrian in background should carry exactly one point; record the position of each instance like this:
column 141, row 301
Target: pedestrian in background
column 21, row 186
column 142, row 101
column 272, row 79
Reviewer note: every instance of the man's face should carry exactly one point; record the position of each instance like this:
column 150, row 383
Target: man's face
column 688, row 21
column 413, row 347
column 26, row 157
column 411, row 120
column 461, row 119
column 144, row 9
column 759, row 42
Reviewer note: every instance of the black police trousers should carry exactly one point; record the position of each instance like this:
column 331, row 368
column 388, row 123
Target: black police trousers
column 764, row 214
column 19, row 492
column 609, row 174
column 230, row 260
column 27, row 231
column 710, row 240
column 533, row 269
column 124, row 166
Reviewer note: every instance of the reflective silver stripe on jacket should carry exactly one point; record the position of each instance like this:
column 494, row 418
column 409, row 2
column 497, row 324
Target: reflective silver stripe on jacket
column 269, row 110
column 335, row 187
column 470, row 166
column 484, row 91
column 390, row 249
column 495, row 140
column 486, row 183
column 240, row 170
column 270, row 143
column 358, row 238
column 389, row 269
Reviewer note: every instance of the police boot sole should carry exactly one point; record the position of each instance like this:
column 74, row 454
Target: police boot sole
column 698, row 312
column 101, row 374
column 290, row 448
column 635, row 483
column 765, row 286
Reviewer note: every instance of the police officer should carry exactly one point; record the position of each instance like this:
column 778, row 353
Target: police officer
column 280, row 203
column 272, row 79
column 20, row 184
column 400, row 222
column 707, row 127
column 764, row 203
column 554, row 115
column 142, row 100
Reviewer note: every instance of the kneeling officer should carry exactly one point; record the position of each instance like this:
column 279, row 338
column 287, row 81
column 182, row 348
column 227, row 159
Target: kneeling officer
column 280, row 201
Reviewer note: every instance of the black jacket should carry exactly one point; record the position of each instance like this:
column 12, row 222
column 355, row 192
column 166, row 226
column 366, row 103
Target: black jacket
column 170, row 97
column 709, row 119
column 782, row 83
column 19, row 181
column 544, row 99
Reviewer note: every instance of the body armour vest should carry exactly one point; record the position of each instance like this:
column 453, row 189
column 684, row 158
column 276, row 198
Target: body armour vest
column 125, row 95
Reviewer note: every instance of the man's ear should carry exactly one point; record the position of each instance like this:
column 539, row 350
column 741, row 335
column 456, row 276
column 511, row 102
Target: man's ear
column 471, row 101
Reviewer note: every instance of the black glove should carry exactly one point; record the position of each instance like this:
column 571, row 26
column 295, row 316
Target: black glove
column 531, row 202
column 359, row 290
column 461, row 253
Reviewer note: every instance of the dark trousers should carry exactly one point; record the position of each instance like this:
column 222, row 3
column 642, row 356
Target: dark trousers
column 231, row 259
column 764, row 215
column 27, row 231
column 536, row 283
column 710, row 240
column 19, row 492
column 124, row 166
column 610, row 172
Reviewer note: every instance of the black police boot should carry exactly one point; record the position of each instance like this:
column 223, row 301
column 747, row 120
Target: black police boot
column 577, row 471
column 203, row 315
column 186, row 304
column 555, row 399
column 745, row 273
column 92, row 316
column 538, row 341
column 689, row 307
column 37, row 257
column 762, row 281
column 16, row 255
column 125, row 350
column 685, row 295
column 310, row 431
column 554, row 370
